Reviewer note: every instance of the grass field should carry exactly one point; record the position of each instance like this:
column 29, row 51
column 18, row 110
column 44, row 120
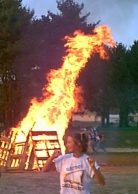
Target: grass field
column 119, row 169
column 121, row 137
column 119, row 180
column 115, row 136
column 117, row 159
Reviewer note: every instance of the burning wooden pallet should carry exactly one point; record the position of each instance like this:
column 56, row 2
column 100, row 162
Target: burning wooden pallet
column 31, row 154
column 45, row 142
column 6, row 146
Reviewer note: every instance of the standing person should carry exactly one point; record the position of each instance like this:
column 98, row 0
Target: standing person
column 101, row 142
column 94, row 140
column 76, row 168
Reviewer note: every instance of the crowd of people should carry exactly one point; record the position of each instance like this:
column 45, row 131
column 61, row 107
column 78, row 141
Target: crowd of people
column 97, row 139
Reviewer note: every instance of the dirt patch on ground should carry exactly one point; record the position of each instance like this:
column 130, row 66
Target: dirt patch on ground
column 119, row 180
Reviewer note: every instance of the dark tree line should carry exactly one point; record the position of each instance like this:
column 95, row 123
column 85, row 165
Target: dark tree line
column 113, row 86
column 13, row 20
column 30, row 47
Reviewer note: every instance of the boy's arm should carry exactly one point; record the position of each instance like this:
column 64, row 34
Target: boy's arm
column 97, row 174
column 50, row 160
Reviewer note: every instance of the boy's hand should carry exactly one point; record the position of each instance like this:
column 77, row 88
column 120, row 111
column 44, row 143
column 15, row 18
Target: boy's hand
column 91, row 162
column 56, row 153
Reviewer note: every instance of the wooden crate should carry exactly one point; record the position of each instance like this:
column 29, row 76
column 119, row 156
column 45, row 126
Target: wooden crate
column 5, row 148
column 31, row 154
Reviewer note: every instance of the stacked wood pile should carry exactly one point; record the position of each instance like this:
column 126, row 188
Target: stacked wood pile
column 29, row 155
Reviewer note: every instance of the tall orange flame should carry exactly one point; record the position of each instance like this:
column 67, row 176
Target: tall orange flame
column 59, row 99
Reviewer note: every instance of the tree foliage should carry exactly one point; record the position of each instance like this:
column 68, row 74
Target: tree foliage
column 30, row 47
column 13, row 19
column 46, row 37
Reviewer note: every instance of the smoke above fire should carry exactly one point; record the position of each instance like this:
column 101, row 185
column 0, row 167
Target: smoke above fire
column 59, row 95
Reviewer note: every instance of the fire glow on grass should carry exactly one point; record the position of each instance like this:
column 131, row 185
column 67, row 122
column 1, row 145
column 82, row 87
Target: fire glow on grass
column 59, row 96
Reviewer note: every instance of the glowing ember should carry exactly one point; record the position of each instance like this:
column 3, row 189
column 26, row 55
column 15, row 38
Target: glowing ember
column 59, row 96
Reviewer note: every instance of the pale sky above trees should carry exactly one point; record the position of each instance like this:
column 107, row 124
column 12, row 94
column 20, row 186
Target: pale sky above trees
column 120, row 16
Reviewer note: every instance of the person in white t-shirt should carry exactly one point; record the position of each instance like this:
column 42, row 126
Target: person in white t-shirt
column 76, row 168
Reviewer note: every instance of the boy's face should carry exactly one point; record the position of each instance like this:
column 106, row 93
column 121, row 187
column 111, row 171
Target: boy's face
column 71, row 145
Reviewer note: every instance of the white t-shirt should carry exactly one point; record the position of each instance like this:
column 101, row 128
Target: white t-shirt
column 75, row 174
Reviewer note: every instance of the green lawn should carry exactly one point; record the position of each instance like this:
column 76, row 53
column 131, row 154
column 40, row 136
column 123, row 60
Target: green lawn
column 121, row 137
column 117, row 159
column 115, row 136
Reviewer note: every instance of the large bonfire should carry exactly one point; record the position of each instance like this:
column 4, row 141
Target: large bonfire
column 59, row 100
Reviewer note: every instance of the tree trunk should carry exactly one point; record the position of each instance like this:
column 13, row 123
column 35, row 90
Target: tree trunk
column 123, row 122
column 103, row 119
column 107, row 118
